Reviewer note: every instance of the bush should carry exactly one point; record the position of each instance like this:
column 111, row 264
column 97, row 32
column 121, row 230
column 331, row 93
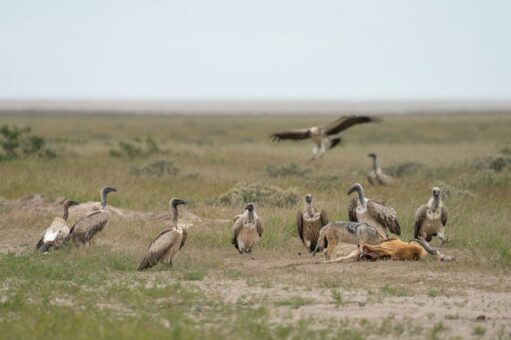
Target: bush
column 259, row 194
column 290, row 169
column 136, row 148
column 17, row 142
column 408, row 168
column 156, row 168
column 493, row 163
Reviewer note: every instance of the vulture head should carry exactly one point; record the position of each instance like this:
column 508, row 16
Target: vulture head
column 436, row 192
column 372, row 155
column 357, row 187
column 308, row 198
column 107, row 190
column 250, row 207
column 174, row 202
column 68, row 203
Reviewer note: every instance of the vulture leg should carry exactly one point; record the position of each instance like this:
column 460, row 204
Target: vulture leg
column 315, row 152
column 441, row 236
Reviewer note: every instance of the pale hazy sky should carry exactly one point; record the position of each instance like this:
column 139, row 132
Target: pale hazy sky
column 220, row 49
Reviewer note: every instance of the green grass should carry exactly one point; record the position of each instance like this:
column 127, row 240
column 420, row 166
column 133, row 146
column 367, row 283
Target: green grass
column 98, row 293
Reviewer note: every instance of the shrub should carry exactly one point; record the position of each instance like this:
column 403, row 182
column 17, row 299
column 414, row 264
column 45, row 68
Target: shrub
column 136, row 148
column 407, row 168
column 290, row 169
column 156, row 168
column 17, row 142
column 259, row 194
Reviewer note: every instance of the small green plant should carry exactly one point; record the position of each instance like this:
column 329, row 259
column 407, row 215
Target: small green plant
column 479, row 331
column 337, row 297
column 196, row 275
column 438, row 328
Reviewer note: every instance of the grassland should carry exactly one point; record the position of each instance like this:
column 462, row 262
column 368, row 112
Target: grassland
column 211, row 292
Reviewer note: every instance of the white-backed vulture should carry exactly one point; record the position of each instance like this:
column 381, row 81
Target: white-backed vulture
column 309, row 222
column 376, row 176
column 373, row 213
column 320, row 136
column 92, row 222
column 247, row 230
column 169, row 241
column 57, row 232
column 431, row 218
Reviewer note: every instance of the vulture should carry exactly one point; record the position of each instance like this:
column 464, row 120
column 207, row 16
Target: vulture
column 57, row 232
column 309, row 223
column 431, row 218
column 91, row 222
column 169, row 241
column 322, row 137
column 376, row 176
column 374, row 213
column 247, row 230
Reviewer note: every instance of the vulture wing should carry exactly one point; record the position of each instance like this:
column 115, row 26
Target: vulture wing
column 238, row 225
column 420, row 216
column 444, row 215
column 299, row 224
column 183, row 239
column 158, row 248
column 384, row 179
column 88, row 225
column 344, row 123
column 352, row 210
column 297, row 134
column 384, row 215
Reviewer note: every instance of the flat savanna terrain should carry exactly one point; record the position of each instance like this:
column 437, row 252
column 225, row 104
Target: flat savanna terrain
column 281, row 291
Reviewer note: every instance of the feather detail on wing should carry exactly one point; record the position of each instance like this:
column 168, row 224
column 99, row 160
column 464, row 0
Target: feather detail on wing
column 159, row 246
column 183, row 239
column 384, row 215
column 352, row 210
column 88, row 225
column 238, row 225
column 297, row 134
column 444, row 215
column 344, row 123
column 299, row 224
column 420, row 216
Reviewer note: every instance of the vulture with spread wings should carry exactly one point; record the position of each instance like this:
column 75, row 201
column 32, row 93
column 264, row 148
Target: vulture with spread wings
column 322, row 137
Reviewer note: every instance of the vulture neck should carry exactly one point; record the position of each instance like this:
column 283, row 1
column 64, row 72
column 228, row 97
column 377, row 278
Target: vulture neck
column 174, row 214
column 375, row 164
column 310, row 210
column 66, row 213
column 361, row 197
column 250, row 216
column 435, row 204
column 103, row 199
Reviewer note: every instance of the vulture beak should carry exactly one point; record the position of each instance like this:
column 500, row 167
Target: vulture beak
column 355, row 187
column 70, row 203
